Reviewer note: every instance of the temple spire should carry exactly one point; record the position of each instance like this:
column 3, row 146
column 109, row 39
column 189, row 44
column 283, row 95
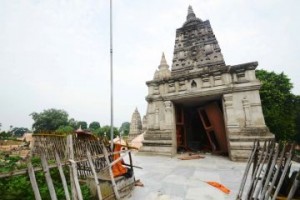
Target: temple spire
column 163, row 60
column 191, row 13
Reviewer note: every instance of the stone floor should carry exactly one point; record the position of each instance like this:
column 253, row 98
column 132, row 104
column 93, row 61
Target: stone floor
column 166, row 178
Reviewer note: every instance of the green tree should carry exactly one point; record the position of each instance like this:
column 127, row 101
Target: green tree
column 106, row 129
column 297, row 121
column 65, row 130
column 83, row 124
column 49, row 120
column 19, row 131
column 72, row 122
column 94, row 126
column 278, row 104
column 125, row 127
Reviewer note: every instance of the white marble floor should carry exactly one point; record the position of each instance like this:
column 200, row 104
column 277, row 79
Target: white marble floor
column 166, row 178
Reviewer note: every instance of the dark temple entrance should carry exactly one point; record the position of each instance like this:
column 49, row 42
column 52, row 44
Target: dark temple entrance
column 200, row 126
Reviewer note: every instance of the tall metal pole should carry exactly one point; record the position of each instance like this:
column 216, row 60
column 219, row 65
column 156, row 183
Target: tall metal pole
column 111, row 82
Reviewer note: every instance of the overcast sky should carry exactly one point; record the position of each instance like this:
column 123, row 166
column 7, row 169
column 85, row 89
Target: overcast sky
column 55, row 53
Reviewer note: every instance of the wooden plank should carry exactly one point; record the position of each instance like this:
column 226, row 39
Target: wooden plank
column 33, row 182
column 244, row 179
column 95, row 175
column 258, row 170
column 48, row 178
column 270, row 173
column 75, row 187
column 111, row 173
column 295, row 186
column 286, row 167
column 76, row 180
column 269, row 154
column 62, row 176
column 276, row 173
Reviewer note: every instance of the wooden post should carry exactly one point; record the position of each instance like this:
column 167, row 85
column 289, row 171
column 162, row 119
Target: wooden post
column 258, row 170
column 33, row 182
column 48, row 178
column 95, row 175
column 62, row 176
column 244, row 179
column 286, row 167
column 111, row 173
column 75, row 179
column 76, row 191
column 295, row 186
column 69, row 156
column 270, row 173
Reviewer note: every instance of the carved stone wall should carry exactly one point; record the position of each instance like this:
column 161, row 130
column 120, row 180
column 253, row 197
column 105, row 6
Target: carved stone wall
column 199, row 72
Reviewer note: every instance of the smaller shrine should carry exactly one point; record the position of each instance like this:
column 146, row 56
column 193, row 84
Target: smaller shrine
column 135, row 125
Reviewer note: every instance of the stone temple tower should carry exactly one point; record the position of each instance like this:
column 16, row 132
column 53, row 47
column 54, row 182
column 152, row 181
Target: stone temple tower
column 135, row 125
column 202, row 103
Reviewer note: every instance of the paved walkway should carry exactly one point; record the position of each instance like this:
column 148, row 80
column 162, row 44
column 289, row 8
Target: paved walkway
column 166, row 178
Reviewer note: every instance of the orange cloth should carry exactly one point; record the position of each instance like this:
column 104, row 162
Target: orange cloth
column 218, row 186
column 118, row 169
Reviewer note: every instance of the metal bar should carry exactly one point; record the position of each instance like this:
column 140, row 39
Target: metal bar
column 111, row 82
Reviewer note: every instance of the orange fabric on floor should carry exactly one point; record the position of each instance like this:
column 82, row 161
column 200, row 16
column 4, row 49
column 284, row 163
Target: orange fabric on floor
column 118, row 169
column 218, row 186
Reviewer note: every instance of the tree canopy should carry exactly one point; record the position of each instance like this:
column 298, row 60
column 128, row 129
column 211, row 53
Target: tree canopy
column 125, row 127
column 106, row 130
column 279, row 104
column 49, row 120
column 19, row 131
column 81, row 124
column 94, row 125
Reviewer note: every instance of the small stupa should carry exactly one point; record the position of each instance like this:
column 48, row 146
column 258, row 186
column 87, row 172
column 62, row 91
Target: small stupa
column 135, row 125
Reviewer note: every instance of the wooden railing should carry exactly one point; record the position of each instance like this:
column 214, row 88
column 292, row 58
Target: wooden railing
column 84, row 158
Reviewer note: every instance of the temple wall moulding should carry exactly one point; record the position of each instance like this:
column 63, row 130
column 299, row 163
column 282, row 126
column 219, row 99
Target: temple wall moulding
column 186, row 102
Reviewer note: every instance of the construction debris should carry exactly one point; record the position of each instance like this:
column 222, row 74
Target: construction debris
column 271, row 177
column 190, row 157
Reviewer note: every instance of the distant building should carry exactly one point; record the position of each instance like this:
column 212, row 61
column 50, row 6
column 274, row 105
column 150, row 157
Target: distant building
column 135, row 125
column 202, row 103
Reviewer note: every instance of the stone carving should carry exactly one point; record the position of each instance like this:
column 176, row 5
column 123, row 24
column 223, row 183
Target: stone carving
column 246, row 108
column 197, row 77
column 168, row 114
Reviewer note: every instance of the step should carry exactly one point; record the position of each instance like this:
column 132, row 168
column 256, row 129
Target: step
column 162, row 136
column 156, row 150
column 157, row 142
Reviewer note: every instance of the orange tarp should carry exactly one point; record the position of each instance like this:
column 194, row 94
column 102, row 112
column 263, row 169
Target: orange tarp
column 118, row 169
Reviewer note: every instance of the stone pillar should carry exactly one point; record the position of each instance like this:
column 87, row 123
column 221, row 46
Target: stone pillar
column 229, row 111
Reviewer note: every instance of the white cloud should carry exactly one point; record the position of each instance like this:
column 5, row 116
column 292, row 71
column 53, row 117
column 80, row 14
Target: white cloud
column 56, row 53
